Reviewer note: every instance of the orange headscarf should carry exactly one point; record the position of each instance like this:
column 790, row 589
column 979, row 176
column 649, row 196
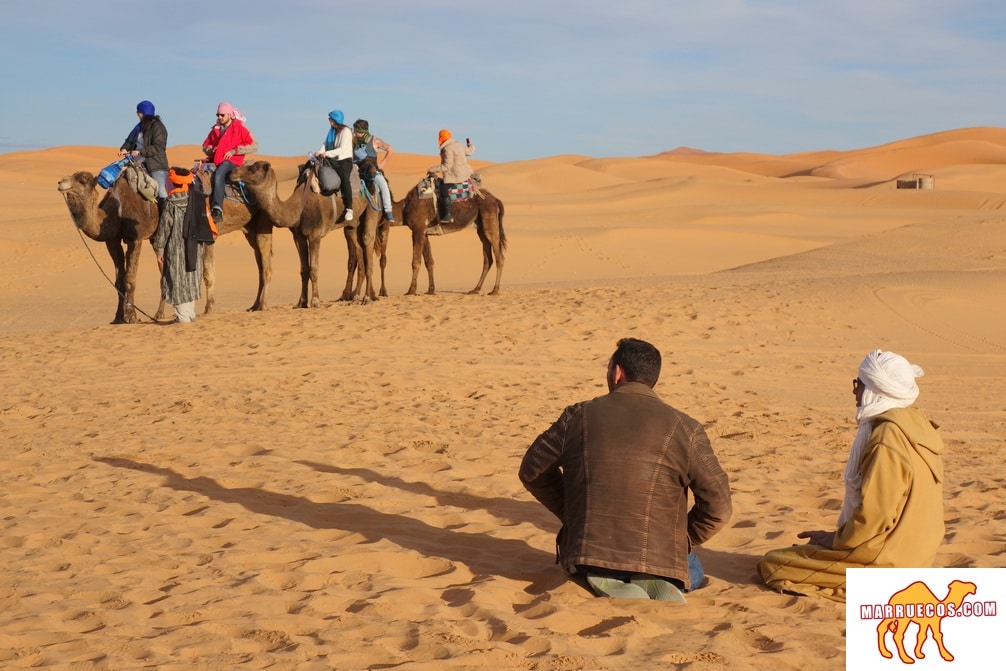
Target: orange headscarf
column 444, row 136
column 180, row 178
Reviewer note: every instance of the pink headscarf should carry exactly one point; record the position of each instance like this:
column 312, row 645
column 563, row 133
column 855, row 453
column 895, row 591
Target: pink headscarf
column 225, row 108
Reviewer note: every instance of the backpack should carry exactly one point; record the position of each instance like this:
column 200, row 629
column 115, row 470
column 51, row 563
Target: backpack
column 110, row 173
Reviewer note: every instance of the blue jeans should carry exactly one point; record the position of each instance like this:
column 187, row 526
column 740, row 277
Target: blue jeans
column 161, row 177
column 695, row 571
column 382, row 186
column 220, row 183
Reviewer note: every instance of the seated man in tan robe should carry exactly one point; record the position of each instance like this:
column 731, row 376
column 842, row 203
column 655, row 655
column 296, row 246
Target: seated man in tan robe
column 892, row 515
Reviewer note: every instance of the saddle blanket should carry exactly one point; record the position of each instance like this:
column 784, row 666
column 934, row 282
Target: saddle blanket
column 462, row 191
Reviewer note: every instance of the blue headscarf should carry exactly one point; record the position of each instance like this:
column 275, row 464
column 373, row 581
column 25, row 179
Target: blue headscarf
column 338, row 117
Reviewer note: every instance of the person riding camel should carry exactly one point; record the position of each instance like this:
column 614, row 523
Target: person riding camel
column 454, row 168
column 227, row 144
column 365, row 150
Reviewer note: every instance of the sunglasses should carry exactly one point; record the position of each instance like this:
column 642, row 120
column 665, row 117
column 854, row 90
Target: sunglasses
column 220, row 116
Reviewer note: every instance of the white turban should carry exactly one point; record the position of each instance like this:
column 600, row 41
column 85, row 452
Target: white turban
column 889, row 382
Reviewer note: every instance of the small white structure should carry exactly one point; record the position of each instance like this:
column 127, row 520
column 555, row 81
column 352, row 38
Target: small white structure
column 918, row 181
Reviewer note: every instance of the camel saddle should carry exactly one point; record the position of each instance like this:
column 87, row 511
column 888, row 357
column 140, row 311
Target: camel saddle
column 203, row 170
column 461, row 191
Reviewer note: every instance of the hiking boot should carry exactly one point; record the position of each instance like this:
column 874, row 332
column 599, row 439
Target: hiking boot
column 349, row 215
column 218, row 215
column 389, row 217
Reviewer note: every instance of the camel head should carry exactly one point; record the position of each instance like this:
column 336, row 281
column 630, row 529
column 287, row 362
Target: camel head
column 958, row 590
column 80, row 191
column 78, row 182
column 254, row 175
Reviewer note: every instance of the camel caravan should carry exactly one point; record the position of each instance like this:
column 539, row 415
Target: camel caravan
column 122, row 208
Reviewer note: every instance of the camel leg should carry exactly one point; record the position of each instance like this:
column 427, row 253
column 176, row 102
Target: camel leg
column 313, row 262
column 114, row 248
column 882, row 630
column 303, row 255
column 920, row 639
column 487, row 261
column 264, row 258
column 133, row 249
column 261, row 241
column 366, row 238
column 498, row 250
column 428, row 260
column 381, row 251
column 938, row 637
column 899, row 640
column 209, row 278
column 361, row 271
column 352, row 261
column 418, row 242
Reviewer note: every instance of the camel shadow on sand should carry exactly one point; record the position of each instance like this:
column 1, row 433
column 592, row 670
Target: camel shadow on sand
column 509, row 511
column 485, row 555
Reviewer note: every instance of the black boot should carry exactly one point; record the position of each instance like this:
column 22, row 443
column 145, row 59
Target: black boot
column 160, row 208
column 443, row 202
column 445, row 214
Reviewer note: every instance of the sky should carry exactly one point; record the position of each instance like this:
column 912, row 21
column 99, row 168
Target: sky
column 523, row 79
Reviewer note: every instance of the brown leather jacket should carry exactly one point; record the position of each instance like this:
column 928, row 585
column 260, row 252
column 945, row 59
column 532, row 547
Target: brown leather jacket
column 616, row 471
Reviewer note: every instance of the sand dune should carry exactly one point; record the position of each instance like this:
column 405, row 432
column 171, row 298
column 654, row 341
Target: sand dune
column 336, row 487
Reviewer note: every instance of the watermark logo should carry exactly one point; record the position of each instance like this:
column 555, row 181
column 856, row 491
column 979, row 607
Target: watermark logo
column 930, row 618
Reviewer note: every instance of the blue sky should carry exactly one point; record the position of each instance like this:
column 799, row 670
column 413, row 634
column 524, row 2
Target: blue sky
column 523, row 79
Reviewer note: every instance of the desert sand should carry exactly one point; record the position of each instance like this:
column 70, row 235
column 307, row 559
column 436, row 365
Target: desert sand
column 335, row 488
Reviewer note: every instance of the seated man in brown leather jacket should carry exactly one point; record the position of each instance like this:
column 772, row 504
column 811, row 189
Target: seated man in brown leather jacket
column 617, row 471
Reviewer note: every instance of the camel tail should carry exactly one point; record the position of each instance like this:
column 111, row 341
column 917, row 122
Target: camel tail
column 502, row 234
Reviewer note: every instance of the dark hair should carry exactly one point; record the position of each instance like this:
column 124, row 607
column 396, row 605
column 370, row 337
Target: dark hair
column 361, row 124
column 639, row 359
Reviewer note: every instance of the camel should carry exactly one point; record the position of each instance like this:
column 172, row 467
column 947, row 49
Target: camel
column 121, row 219
column 257, row 229
column 420, row 215
column 310, row 217
column 916, row 596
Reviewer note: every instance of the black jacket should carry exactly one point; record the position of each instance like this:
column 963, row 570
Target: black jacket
column 155, row 143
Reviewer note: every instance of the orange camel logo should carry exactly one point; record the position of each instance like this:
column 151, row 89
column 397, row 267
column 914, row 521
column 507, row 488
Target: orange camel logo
column 916, row 603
